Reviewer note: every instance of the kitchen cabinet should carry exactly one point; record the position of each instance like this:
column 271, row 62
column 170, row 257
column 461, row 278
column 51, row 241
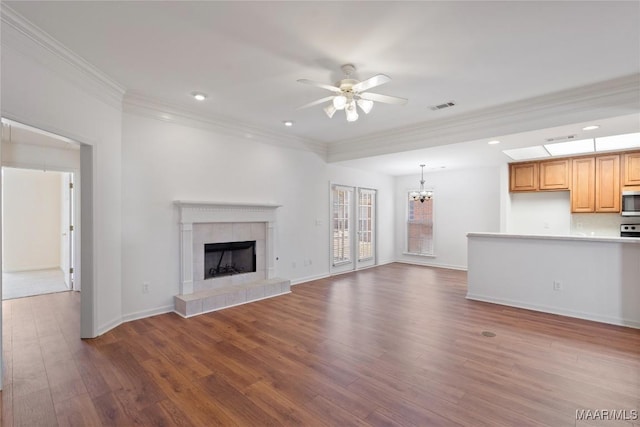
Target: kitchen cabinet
column 595, row 184
column 607, row 183
column 554, row 174
column 523, row 176
column 583, row 172
column 631, row 168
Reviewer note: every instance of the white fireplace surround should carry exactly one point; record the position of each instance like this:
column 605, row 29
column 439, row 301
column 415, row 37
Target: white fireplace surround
column 221, row 212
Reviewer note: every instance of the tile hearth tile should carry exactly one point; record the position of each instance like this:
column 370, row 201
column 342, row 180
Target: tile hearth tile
column 216, row 299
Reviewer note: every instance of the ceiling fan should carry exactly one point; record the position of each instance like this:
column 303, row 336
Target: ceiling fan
column 349, row 93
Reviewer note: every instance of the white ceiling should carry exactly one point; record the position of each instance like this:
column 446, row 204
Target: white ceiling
column 247, row 56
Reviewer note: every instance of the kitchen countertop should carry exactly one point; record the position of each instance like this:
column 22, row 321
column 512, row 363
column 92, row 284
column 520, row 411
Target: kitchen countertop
column 600, row 239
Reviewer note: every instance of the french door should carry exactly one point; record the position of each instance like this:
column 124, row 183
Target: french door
column 353, row 228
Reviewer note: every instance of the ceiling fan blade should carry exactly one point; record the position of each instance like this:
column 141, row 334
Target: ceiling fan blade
column 322, row 85
column 386, row 99
column 374, row 81
column 319, row 101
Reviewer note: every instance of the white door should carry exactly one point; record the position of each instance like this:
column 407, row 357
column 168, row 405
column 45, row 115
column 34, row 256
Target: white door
column 67, row 229
column 342, row 229
column 366, row 237
column 353, row 225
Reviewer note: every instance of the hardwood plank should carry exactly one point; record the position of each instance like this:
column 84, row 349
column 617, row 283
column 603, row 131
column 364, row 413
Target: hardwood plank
column 391, row 345
column 77, row 411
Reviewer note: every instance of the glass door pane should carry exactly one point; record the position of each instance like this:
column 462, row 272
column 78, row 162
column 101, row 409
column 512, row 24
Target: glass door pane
column 341, row 237
column 366, row 227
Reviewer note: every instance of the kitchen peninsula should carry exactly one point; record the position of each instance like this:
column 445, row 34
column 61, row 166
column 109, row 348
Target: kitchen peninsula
column 594, row 278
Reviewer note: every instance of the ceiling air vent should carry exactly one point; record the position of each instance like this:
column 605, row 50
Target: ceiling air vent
column 561, row 138
column 443, row 106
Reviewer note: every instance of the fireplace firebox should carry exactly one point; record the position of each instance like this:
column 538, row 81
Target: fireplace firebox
column 229, row 258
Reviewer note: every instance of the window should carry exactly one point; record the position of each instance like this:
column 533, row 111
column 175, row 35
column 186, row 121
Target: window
column 420, row 227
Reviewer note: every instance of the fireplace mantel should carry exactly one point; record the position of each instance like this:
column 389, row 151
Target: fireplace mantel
column 197, row 212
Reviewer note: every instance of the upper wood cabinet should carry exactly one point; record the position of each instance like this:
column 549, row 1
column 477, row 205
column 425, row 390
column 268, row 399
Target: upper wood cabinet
column 523, row 176
column 607, row 183
column 555, row 174
column 595, row 184
column 583, row 184
column 631, row 169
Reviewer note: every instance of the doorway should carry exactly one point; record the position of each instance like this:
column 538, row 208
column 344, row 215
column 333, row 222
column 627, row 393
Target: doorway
column 37, row 234
column 353, row 228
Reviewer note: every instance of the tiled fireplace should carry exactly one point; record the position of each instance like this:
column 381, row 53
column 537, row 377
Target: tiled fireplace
column 227, row 256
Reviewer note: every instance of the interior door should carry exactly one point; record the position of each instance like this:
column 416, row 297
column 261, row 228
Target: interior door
column 366, row 236
column 67, row 229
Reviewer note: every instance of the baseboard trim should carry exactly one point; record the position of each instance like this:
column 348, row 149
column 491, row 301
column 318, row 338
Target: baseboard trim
column 147, row 313
column 555, row 310
column 109, row 326
column 433, row 264
column 309, row 279
column 133, row 316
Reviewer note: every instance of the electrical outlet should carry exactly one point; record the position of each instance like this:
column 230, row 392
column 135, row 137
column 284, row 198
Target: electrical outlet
column 293, row 264
column 145, row 287
column 557, row 285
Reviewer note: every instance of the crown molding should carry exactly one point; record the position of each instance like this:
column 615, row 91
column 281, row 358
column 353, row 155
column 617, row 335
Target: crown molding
column 139, row 104
column 28, row 39
column 601, row 100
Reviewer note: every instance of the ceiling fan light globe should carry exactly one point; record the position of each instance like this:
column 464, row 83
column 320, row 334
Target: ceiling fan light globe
column 366, row 105
column 339, row 102
column 330, row 110
column 352, row 114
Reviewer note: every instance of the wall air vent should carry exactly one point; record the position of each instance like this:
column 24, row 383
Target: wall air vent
column 561, row 138
column 443, row 106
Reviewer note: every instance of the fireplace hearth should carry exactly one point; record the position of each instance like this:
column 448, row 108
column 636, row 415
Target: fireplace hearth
column 229, row 258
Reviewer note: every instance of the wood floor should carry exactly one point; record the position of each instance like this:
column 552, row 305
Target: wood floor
column 393, row 345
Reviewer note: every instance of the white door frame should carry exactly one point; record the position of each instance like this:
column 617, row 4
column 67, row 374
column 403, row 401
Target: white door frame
column 354, row 263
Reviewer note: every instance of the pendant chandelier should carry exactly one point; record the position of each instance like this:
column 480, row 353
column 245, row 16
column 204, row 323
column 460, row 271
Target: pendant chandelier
column 423, row 194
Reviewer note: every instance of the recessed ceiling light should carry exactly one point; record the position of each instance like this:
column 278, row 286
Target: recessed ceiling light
column 494, row 142
column 570, row 147
column 288, row 123
column 199, row 96
column 592, row 127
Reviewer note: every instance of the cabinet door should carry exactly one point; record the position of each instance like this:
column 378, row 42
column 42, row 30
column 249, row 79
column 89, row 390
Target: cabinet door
column 582, row 184
column 523, row 176
column 631, row 169
column 555, row 174
column 608, row 183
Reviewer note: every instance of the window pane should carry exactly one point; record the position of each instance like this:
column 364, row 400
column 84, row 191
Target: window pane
column 341, row 248
column 420, row 227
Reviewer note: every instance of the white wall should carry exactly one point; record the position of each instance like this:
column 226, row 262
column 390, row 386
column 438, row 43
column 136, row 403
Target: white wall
column 42, row 90
column 31, row 232
column 599, row 279
column 540, row 213
column 464, row 201
column 164, row 161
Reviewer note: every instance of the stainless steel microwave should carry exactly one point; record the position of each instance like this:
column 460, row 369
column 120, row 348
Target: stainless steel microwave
column 631, row 203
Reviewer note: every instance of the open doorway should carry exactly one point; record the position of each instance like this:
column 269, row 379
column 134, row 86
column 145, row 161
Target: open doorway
column 37, row 233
